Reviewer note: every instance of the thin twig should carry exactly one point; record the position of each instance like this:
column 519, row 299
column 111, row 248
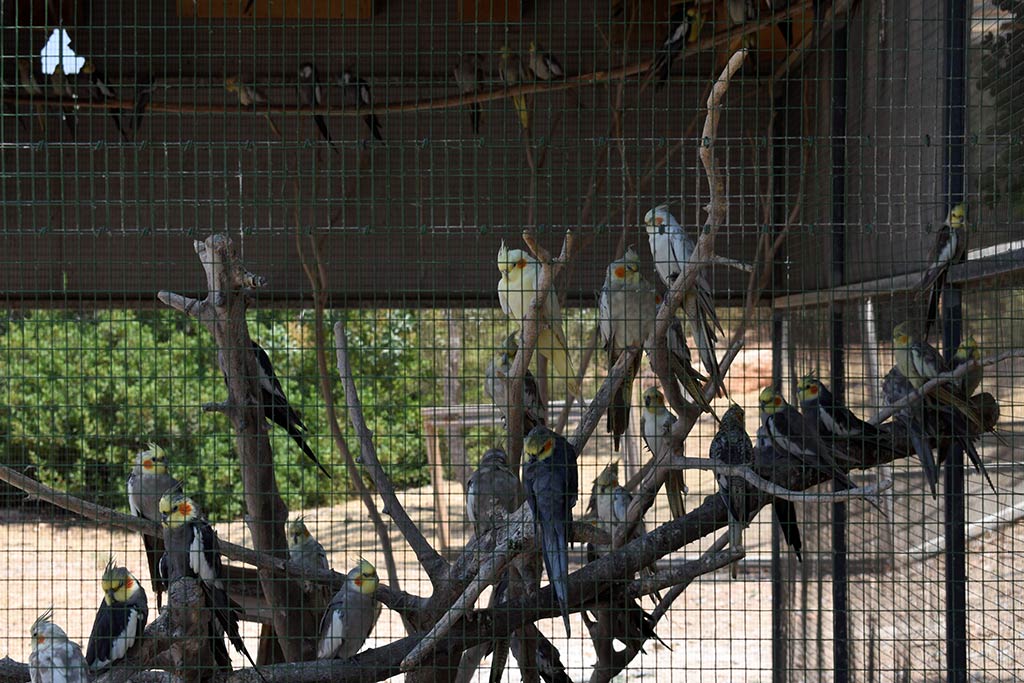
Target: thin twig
column 431, row 561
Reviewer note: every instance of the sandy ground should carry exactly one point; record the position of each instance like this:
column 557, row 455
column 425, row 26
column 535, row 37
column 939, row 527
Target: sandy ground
column 720, row 630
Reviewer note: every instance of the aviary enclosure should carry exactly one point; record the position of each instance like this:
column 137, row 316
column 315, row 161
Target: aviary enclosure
column 508, row 340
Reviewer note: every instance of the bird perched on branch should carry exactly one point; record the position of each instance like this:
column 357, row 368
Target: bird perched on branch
column 305, row 550
column 191, row 549
column 311, row 95
column 120, row 620
column 949, row 248
column 55, row 658
column 790, row 438
column 517, row 288
column 918, row 422
column 144, row 89
column 682, row 370
column 29, row 85
column 62, row 91
column 278, row 410
column 656, row 427
column 468, row 72
column 103, row 93
column 493, row 492
column 672, row 250
column 968, row 352
column 626, row 314
column 785, row 510
column 544, row 65
column 359, row 95
column 840, row 428
column 512, row 74
column 496, row 387
column 250, row 96
column 683, row 27
column 351, row 616
column 552, row 486
column 732, row 446
column 148, row 482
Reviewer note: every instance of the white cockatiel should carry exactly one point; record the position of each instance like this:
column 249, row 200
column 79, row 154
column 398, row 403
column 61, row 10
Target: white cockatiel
column 54, row 657
column 627, row 309
column 520, row 274
column 672, row 249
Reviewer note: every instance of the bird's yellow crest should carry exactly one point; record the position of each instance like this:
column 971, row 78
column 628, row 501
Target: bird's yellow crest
column 958, row 216
column 809, row 387
column 653, row 399
column 901, row 335
column 609, row 476
column 968, row 350
column 539, row 445
column 364, row 577
column 177, row 509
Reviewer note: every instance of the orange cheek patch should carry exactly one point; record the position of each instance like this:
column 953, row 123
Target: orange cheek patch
column 521, row 263
column 620, row 272
column 40, row 639
column 128, row 584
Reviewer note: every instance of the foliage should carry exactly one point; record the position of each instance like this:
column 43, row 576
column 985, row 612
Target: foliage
column 1001, row 81
column 82, row 392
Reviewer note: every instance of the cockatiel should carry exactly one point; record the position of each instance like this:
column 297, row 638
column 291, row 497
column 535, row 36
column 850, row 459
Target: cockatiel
column 120, row 620
column 468, row 73
column 496, row 387
column 656, row 427
column 512, row 73
column 520, row 274
column 950, row 246
column 351, row 616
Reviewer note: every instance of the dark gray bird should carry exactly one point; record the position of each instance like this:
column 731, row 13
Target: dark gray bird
column 468, row 73
column 305, row 550
column 311, row 95
column 732, row 446
column 143, row 96
column 55, row 658
column 492, row 493
column 104, row 93
column 496, row 387
column 683, row 371
column 351, row 616
column 950, row 246
column 148, row 482
column 191, row 549
column 62, row 91
column 837, row 425
column 120, row 620
column 549, row 662
column 682, row 25
column 358, row 90
column 552, row 486
column 915, row 421
column 789, row 436
column 785, row 510
column 278, row 410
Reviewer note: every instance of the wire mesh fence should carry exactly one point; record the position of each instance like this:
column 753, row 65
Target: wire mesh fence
column 280, row 266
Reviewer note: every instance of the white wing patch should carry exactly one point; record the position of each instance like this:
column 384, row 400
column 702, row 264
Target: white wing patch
column 197, row 558
column 332, row 638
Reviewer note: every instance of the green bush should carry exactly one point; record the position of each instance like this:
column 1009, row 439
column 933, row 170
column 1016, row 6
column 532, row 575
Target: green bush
column 82, row 392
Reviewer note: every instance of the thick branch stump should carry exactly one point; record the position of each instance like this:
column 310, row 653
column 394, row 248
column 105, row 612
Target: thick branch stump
column 222, row 312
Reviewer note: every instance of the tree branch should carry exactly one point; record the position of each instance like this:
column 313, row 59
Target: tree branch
column 433, row 564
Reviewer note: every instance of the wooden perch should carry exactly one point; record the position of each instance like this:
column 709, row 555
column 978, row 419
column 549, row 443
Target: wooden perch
column 433, row 564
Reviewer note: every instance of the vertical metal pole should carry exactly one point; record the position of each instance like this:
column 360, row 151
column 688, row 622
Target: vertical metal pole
column 780, row 640
column 954, row 522
column 840, row 565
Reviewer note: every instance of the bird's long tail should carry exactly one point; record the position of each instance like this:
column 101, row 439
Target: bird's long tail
column 556, row 562
column 675, row 489
column 923, row 449
column 321, row 124
column 522, row 110
column 935, row 282
column 226, row 613
column 552, row 347
column 476, row 111
column 703, row 325
column 620, row 408
column 785, row 512
column 373, row 123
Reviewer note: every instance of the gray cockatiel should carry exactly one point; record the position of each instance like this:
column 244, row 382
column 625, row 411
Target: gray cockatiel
column 55, row 658
column 351, row 616
column 732, row 446
column 191, row 549
column 496, row 387
column 544, row 65
column 359, row 95
column 120, row 619
column 311, row 95
column 626, row 313
column 655, row 425
column 949, row 247
column 468, row 73
column 968, row 352
column 551, row 481
column 305, row 550
column 148, row 482
column 492, row 493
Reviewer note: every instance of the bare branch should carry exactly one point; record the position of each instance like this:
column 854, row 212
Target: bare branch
column 684, row 574
column 431, row 561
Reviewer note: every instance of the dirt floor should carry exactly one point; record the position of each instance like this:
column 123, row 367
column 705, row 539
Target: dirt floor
column 720, row 630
